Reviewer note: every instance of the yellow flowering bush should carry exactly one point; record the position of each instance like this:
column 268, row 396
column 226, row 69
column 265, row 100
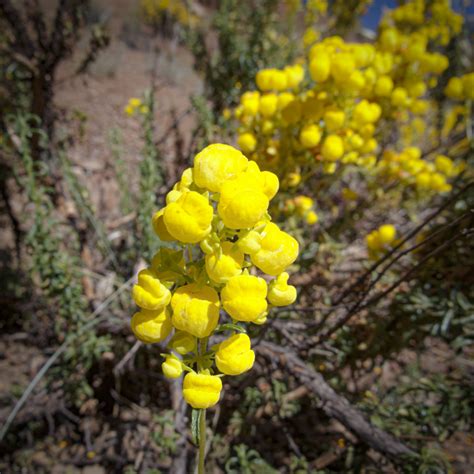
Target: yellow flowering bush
column 331, row 112
column 228, row 266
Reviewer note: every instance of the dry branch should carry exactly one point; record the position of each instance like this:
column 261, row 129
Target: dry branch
column 336, row 406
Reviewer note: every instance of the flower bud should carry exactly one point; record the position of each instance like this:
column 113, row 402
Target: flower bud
column 280, row 293
column 172, row 367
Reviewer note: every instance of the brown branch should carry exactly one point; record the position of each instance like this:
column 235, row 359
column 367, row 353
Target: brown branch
column 402, row 242
column 336, row 406
column 17, row 26
column 358, row 306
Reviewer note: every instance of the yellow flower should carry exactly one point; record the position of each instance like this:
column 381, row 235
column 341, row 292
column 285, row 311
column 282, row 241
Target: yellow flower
column 195, row 309
column 149, row 293
column 311, row 218
column 247, row 142
column 399, row 97
column 454, row 89
column 468, row 85
column 268, row 105
column 244, row 297
column 445, row 165
column 234, row 355
column 182, row 342
column 264, row 79
column 151, row 326
column 172, row 367
column 293, row 179
column 303, row 204
column 225, row 263
column 383, row 86
column 387, row 234
column 342, row 66
column 356, row 81
column 366, row 112
column 334, row 119
column 333, row 148
column 438, row 183
column 189, row 218
column 310, row 136
column 201, row 390
column 294, row 75
column 159, row 227
column 291, row 113
column 284, row 99
column 250, row 102
column 243, row 201
column 373, row 242
column 423, row 180
column 216, row 164
column 320, row 67
column 250, row 242
column 279, row 250
column 280, row 293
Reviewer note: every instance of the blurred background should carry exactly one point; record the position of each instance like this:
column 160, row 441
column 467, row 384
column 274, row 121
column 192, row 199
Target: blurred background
column 103, row 104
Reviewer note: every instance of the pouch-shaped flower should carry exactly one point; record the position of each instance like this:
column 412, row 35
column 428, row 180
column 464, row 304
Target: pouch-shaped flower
column 244, row 297
column 149, row 292
column 195, row 309
column 279, row 250
column 189, row 218
column 151, row 326
column 201, row 390
column 234, row 355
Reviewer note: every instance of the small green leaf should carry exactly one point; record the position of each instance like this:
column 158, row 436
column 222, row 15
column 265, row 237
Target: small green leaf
column 230, row 327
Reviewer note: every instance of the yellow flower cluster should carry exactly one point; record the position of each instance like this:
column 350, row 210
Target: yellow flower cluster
column 410, row 168
column 153, row 11
column 135, row 106
column 327, row 113
column 460, row 88
column 218, row 214
column 303, row 207
column 380, row 240
column 435, row 20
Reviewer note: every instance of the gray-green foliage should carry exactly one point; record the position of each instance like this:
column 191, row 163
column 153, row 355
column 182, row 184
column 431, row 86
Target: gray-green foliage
column 118, row 162
column 247, row 461
column 82, row 201
column 151, row 179
column 247, row 40
column 424, row 406
column 55, row 269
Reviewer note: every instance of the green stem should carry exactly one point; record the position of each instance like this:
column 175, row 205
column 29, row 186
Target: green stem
column 202, row 442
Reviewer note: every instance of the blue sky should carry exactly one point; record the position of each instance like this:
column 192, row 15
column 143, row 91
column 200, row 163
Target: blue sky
column 372, row 17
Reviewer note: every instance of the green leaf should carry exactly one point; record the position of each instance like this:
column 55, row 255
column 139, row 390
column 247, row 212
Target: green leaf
column 230, row 327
